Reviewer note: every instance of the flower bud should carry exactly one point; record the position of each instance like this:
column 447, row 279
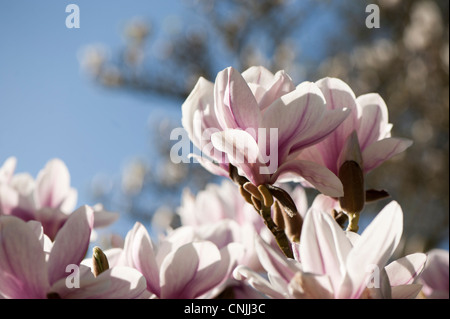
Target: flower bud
column 278, row 215
column 267, row 197
column 99, row 261
column 352, row 178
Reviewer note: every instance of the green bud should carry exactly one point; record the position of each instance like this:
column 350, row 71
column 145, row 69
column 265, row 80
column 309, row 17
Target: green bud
column 99, row 261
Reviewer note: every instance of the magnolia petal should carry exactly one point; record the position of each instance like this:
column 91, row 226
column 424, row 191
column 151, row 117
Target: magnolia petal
column 181, row 268
column 267, row 87
column 211, row 167
column 406, row 291
column 338, row 96
column 235, row 105
column 52, row 184
column 370, row 252
column 403, row 271
column 295, row 114
column 243, row 273
column 435, row 276
column 213, row 274
column 52, row 219
column 258, row 75
column 123, row 283
column 380, row 151
column 324, row 247
column 242, row 151
column 317, row 175
column 103, row 218
column 274, row 262
column 374, row 119
column 201, row 96
column 114, row 283
column 144, row 258
column 22, row 261
column 71, row 243
column 310, row 286
column 9, row 200
column 69, row 203
column 7, row 169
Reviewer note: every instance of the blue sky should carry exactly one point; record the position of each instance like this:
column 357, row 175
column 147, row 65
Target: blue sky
column 49, row 107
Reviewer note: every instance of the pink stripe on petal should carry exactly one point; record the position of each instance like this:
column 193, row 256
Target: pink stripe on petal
column 71, row 243
column 22, row 261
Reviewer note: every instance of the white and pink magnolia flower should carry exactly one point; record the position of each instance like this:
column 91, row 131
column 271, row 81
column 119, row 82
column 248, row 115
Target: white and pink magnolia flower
column 258, row 122
column 368, row 120
column 182, row 266
column 435, row 276
column 222, row 210
column 222, row 215
column 48, row 199
column 332, row 263
column 32, row 266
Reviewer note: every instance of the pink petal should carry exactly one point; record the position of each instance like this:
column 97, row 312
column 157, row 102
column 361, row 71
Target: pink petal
column 7, row 169
column 338, row 95
column 319, row 176
column 71, row 243
column 235, row 105
column 274, row 262
column 406, row 291
column 324, row 247
column 22, row 261
column 211, row 167
column 201, row 97
column 403, row 271
column 9, row 201
column 374, row 119
column 52, row 219
column 295, row 115
column 189, row 269
column 122, row 283
column 69, row 203
column 144, row 258
column 311, row 286
column 255, row 280
column 435, row 276
column 369, row 251
column 114, row 283
column 377, row 153
column 52, row 184
column 267, row 87
column 242, row 151
column 102, row 217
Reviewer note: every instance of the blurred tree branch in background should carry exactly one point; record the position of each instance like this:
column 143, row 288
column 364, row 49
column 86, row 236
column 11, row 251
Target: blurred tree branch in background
column 406, row 61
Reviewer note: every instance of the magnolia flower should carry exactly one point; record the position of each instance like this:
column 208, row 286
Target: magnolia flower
column 332, row 263
column 32, row 266
column 48, row 199
column 360, row 144
column 222, row 208
column 368, row 118
column 435, row 276
column 181, row 266
column 259, row 122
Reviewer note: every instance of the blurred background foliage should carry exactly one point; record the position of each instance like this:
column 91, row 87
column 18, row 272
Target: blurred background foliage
column 406, row 61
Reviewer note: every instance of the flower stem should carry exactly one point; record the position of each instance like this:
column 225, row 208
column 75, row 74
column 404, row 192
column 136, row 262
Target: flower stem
column 353, row 219
column 278, row 233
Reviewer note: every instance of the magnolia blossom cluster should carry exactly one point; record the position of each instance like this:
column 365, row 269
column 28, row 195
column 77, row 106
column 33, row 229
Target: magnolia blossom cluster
column 253, row 235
